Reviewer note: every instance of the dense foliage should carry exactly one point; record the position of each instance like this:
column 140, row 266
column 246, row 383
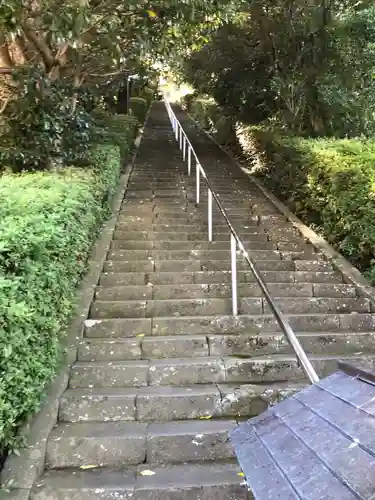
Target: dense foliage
column 48, row 223
column 61, row 60
column 308, row 67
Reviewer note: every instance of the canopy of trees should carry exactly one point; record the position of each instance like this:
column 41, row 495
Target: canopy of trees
column 305, row 65
column 58, row 58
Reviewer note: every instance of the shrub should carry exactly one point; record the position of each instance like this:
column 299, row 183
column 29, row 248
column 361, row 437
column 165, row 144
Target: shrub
column 138, row 108
column 47, row 226
column 329, row 183
column 115, row 129
column 40, row 127
column 210, row 117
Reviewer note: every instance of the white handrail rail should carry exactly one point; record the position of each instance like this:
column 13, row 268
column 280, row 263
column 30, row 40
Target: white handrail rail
column 235, row 241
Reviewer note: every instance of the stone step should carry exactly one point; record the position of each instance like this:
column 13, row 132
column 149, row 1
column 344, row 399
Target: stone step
column 164, row 403
column 111, row 279
column 154, row 219
column 106, row 445
column 189, row 441
column 202, row 255
column 323, row 343
column 109, row 374
column 257, row 234
column 150, row 347
column 219, row 481
column 115, row 444
column 217, row 290
column 125, row 244
column 203, row 370
column 110, row 350
column 181, row 266
column 228, row 325
column 255, row 324
column 219, row 306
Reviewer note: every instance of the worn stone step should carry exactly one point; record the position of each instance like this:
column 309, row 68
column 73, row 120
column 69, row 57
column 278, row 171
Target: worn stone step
column 140, row 266
column 158, row 292
column 201, row 291
column 164, row 403
column 178, row 307
column 109, row 374
column 117, row 328
column 121, row 237
column 168, row 234
column 174, row 255
column 314, row 343
column 215, row 306
column 114, row 444
column 219, row 481
column 221, row 345
column 280, row 367
column 111, row 279
column 98, row 405
column 109, row 350
column 189, row 441
column 262, row 324
column 259, row 244
column 130, row 292
column 175, row 347
column 180, row 266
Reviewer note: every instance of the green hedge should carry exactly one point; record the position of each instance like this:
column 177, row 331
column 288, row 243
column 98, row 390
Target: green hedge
column 328, row 183
column 48, row 222
column 138, row 108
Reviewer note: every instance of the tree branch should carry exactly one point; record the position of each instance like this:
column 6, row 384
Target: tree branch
column 39, row 44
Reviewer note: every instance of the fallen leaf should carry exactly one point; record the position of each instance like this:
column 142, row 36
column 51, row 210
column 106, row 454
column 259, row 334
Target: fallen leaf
column 88, row 467
column 151, row 13
column 141, row 334
column 240, row 474
column 147, row 473
column 206, row 418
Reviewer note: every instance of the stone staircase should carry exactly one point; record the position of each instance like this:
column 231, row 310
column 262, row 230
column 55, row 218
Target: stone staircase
column 164, row 371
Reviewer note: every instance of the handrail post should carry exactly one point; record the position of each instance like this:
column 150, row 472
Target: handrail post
column 184, row 149
column 181, row 136
column 209, row 215
column 198, row 183
column 176, row 131
column 189, row 159
column 233, row 258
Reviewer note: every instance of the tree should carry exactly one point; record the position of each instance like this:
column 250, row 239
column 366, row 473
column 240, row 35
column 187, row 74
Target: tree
column 300, row 64
column 79, row 47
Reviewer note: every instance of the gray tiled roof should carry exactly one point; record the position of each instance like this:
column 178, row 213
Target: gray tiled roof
column 317, row 444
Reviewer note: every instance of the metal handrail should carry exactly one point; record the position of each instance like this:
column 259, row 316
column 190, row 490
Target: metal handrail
column 184, row 143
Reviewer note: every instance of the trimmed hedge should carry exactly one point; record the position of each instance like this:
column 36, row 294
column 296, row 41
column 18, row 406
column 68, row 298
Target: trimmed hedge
column 138, row 108
column 328, row 183
column 48, row 222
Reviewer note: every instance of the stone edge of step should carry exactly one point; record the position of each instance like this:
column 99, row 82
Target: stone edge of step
column 159, row 480
column 21, row 471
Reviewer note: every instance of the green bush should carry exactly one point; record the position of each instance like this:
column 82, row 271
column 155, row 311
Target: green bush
column 329, row 183
column 210, row 117
column 115, row 129
column 148, row 94
column 40, row 128
column 138, row 108
column 48, row 223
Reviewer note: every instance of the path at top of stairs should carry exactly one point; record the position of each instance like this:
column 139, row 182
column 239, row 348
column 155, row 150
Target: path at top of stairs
column 164, row 371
